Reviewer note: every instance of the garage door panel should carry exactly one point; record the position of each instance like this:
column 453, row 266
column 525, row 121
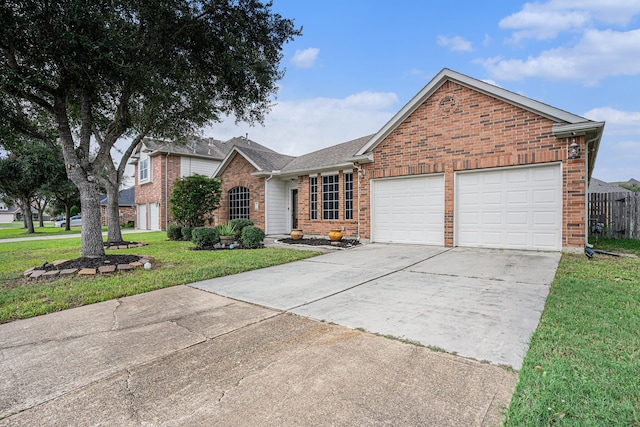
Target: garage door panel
column 408, row 210
column 518, row 208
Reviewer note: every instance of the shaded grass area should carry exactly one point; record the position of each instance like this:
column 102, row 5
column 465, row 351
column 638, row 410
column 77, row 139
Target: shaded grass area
column 175, row 264
column 583, row 366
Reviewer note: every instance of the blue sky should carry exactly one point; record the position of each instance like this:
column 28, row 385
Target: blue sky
column 360, row 61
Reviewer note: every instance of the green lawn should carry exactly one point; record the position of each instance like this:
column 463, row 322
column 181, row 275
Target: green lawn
column 583, row 367
column 16, row 229
column 174, row 264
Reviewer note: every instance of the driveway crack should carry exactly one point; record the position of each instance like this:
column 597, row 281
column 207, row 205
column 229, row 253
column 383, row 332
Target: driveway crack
column 367, row 281
column 115, row 325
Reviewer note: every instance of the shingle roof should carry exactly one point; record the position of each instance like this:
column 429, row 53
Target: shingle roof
column 266, row 161
column 126, row 197
column 201, row 147
column 597, row 186
column 327, row 157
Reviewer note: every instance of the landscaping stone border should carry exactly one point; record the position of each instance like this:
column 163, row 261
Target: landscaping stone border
column 37, row 272
column 125, row 246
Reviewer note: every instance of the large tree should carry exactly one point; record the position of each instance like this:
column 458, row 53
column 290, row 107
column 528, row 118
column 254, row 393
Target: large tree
column 24, row 173
column 104, row 71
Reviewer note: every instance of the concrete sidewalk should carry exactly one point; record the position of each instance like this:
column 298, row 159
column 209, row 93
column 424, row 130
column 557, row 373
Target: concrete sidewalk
column 64, row 236
column 182, row 356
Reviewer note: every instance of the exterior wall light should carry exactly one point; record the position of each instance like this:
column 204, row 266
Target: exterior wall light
column 573, row 150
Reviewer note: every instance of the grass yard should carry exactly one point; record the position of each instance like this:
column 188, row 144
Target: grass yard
column 174, row 264
column 583, row 367
column 15, row 229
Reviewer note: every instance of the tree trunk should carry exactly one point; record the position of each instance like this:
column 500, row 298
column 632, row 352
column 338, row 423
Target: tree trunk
column 67, row 215
column 92, row 245
column 114, row 234
column 28, row 218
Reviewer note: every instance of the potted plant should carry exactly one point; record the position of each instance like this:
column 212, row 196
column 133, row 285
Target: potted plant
column 227, row 233
column 335, row 235
column 296, row 234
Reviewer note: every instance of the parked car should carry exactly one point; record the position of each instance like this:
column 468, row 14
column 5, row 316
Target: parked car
column 74, row 220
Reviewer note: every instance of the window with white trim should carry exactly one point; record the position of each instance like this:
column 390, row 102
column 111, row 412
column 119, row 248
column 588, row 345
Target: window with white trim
column 330, row 197
column 238, row 203
column 313, row 203
column 348, row 195
column 143, row 170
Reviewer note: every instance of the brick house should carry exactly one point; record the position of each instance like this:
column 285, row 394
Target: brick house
column 126, row 206
column 464, row 163
column 158, row 163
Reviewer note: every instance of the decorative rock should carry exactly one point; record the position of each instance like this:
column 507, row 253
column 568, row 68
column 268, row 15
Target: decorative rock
column 135, row 264
column 107, row 268
column 52, row 273
column 87, row 271
column 125, row 267
column 67, row 271
column 36, row 273
column 28, row 271
column 59, row 262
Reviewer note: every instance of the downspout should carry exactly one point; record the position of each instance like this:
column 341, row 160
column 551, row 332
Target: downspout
column 266, row 195
column 586, row 186
column 166, row 191
column 359, row 168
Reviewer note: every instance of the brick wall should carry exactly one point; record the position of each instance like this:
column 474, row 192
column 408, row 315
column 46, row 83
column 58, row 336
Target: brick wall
column 128, row 213
column 480, row 132
column 238, row 173
column 319, row 226
column 165, row 170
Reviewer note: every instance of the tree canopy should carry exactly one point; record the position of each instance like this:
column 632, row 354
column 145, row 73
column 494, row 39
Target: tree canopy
column 103, row 70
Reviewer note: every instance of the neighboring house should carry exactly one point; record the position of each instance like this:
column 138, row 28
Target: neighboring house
column 8, row 213
column 464, row 163
column 159, row 163
column 126, row 206
column 597, row 186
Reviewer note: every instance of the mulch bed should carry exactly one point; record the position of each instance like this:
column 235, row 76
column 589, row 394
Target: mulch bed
column 81, row 263
column 344, row 243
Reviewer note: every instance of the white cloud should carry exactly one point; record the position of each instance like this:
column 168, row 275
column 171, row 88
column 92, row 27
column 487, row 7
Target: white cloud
column 544, row 21
column 299, row 127
column 597, row 55
column 619, row 154
column 618, row 123
column 455, row 44
column 305, row 58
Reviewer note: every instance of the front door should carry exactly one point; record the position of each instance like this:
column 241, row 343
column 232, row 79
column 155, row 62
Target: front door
column 294, row 208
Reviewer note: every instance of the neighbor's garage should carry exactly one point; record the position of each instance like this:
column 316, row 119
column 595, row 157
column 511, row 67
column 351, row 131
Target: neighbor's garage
column 511, row 208
column 408, row 210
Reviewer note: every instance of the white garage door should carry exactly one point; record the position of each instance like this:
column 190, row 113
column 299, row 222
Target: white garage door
column 408, row 210
column 154, row 217
column 512, row 208
column 142, row 217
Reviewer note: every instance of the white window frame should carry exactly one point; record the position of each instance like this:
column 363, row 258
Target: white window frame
column 147, row 178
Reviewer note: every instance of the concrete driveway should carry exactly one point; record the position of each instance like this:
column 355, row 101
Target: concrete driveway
column 185, row 357
column 478, row 303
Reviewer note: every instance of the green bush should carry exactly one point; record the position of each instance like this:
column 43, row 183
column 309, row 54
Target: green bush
column 225, row 230
column 186, row 233
column 174, row 232
column 240, row 224
column 130, row 224
column 204, row 237
column 251, row 237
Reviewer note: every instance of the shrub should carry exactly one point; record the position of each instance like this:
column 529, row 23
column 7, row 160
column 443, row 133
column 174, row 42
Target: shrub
column 226, row 229
column 186, row 233
column 204, row 237
column 240, row 224
column 193, row 198
column 251, row 237
column 174, row 232
column 130, row 224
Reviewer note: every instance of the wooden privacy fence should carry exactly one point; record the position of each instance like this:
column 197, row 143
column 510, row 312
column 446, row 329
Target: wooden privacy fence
column 614, row 215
